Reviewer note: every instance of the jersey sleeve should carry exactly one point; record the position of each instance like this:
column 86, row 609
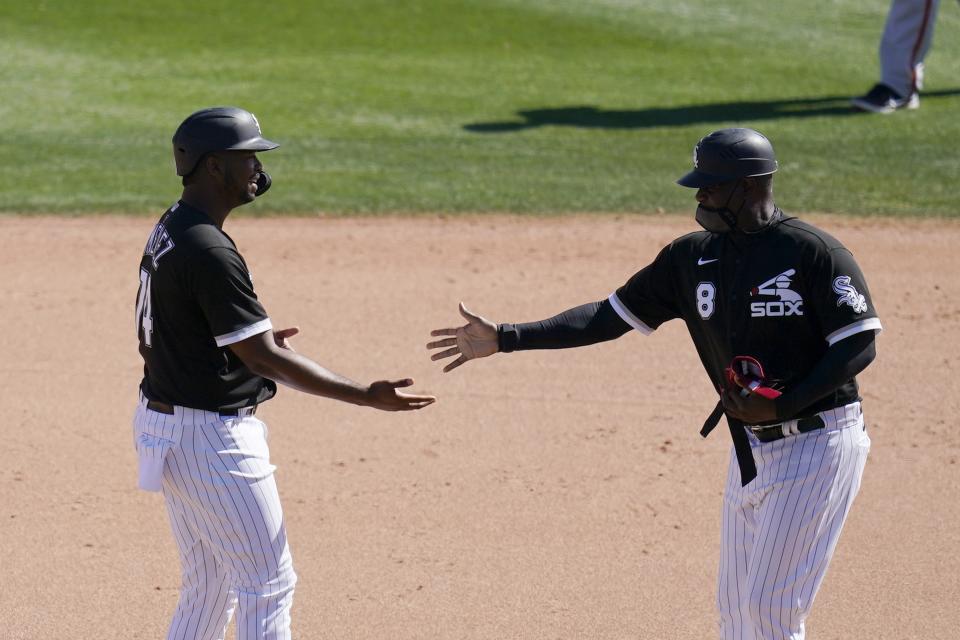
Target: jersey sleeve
column 841, row 299
column 224, row 291
column 648, row 299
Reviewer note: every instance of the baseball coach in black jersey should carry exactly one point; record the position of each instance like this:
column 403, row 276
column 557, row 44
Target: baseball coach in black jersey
column 211, row 357
column 782, row 320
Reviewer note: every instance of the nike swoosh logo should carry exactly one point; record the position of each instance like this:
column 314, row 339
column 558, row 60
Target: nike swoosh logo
column 702, row 262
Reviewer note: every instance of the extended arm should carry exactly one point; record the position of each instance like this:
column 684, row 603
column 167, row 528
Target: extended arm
column 269, row 355
column 587, row 324
column 842, row 361
column 577, row 327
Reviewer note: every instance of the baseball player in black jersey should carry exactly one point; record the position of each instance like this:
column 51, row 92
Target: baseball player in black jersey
column 782, row 320
column 211, row 357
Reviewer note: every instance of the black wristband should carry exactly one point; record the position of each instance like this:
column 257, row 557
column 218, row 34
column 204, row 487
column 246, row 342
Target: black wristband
column 507, row 337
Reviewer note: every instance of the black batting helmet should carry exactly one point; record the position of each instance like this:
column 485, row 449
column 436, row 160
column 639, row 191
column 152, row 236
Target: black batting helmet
column 216, row 129
column 729, row 154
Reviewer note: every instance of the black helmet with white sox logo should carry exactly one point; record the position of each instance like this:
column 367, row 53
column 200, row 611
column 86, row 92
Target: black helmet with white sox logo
column 730, row 154
column 216, row 129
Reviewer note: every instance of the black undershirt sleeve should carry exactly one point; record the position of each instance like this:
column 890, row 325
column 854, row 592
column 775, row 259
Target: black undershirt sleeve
column 842, row 361
column 577, row 327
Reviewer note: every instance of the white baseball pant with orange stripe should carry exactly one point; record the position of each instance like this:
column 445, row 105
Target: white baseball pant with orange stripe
column 907, row 36
column 221, row 496
column 779, row 532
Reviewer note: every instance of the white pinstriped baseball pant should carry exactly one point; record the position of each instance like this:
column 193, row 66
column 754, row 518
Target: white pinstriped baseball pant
column 222, row 501
column 779, row 532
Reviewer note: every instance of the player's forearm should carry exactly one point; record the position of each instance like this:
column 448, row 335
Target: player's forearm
column 842, row 362
column 303, row 374
column 577, row 327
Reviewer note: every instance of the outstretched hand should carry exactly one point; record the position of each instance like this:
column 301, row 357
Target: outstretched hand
column 383, row 395
column 476, row 339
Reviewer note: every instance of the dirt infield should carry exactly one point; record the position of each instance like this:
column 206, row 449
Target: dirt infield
column 546, row 495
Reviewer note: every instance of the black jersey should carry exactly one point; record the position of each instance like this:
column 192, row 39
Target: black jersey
column 782, row 295
column 196, row 298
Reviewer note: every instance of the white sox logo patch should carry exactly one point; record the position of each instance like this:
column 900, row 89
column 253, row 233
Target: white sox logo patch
column 788, row 303
column 848, row 295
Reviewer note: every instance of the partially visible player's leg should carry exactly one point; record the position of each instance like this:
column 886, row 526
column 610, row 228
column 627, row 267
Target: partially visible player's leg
column 736, row 546
column 815, row 476
column 206, row 598
column 222, row 477
column 254, row 543
column 907, row 36
column 206, row 601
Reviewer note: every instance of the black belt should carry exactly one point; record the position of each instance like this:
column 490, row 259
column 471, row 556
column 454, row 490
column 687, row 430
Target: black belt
column 748, row 468
column 163, row 407
column 773, row 432
column 741, row 445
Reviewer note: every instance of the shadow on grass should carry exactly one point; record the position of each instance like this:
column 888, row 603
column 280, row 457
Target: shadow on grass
column 589, row 117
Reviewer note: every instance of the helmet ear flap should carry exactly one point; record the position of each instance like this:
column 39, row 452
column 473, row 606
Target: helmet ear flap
column 185, row 160
column 190, row 165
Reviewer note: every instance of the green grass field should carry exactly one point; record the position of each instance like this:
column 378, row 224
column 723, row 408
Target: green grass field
column 449, row 105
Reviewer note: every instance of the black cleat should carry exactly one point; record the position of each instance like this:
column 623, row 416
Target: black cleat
column 883, row 99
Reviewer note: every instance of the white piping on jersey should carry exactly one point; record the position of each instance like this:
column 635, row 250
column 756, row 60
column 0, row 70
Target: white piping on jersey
column 851, row 329
column 244, row 333
column 628, row 317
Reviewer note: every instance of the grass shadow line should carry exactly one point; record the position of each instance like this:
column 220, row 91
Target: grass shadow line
column 592, row 117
